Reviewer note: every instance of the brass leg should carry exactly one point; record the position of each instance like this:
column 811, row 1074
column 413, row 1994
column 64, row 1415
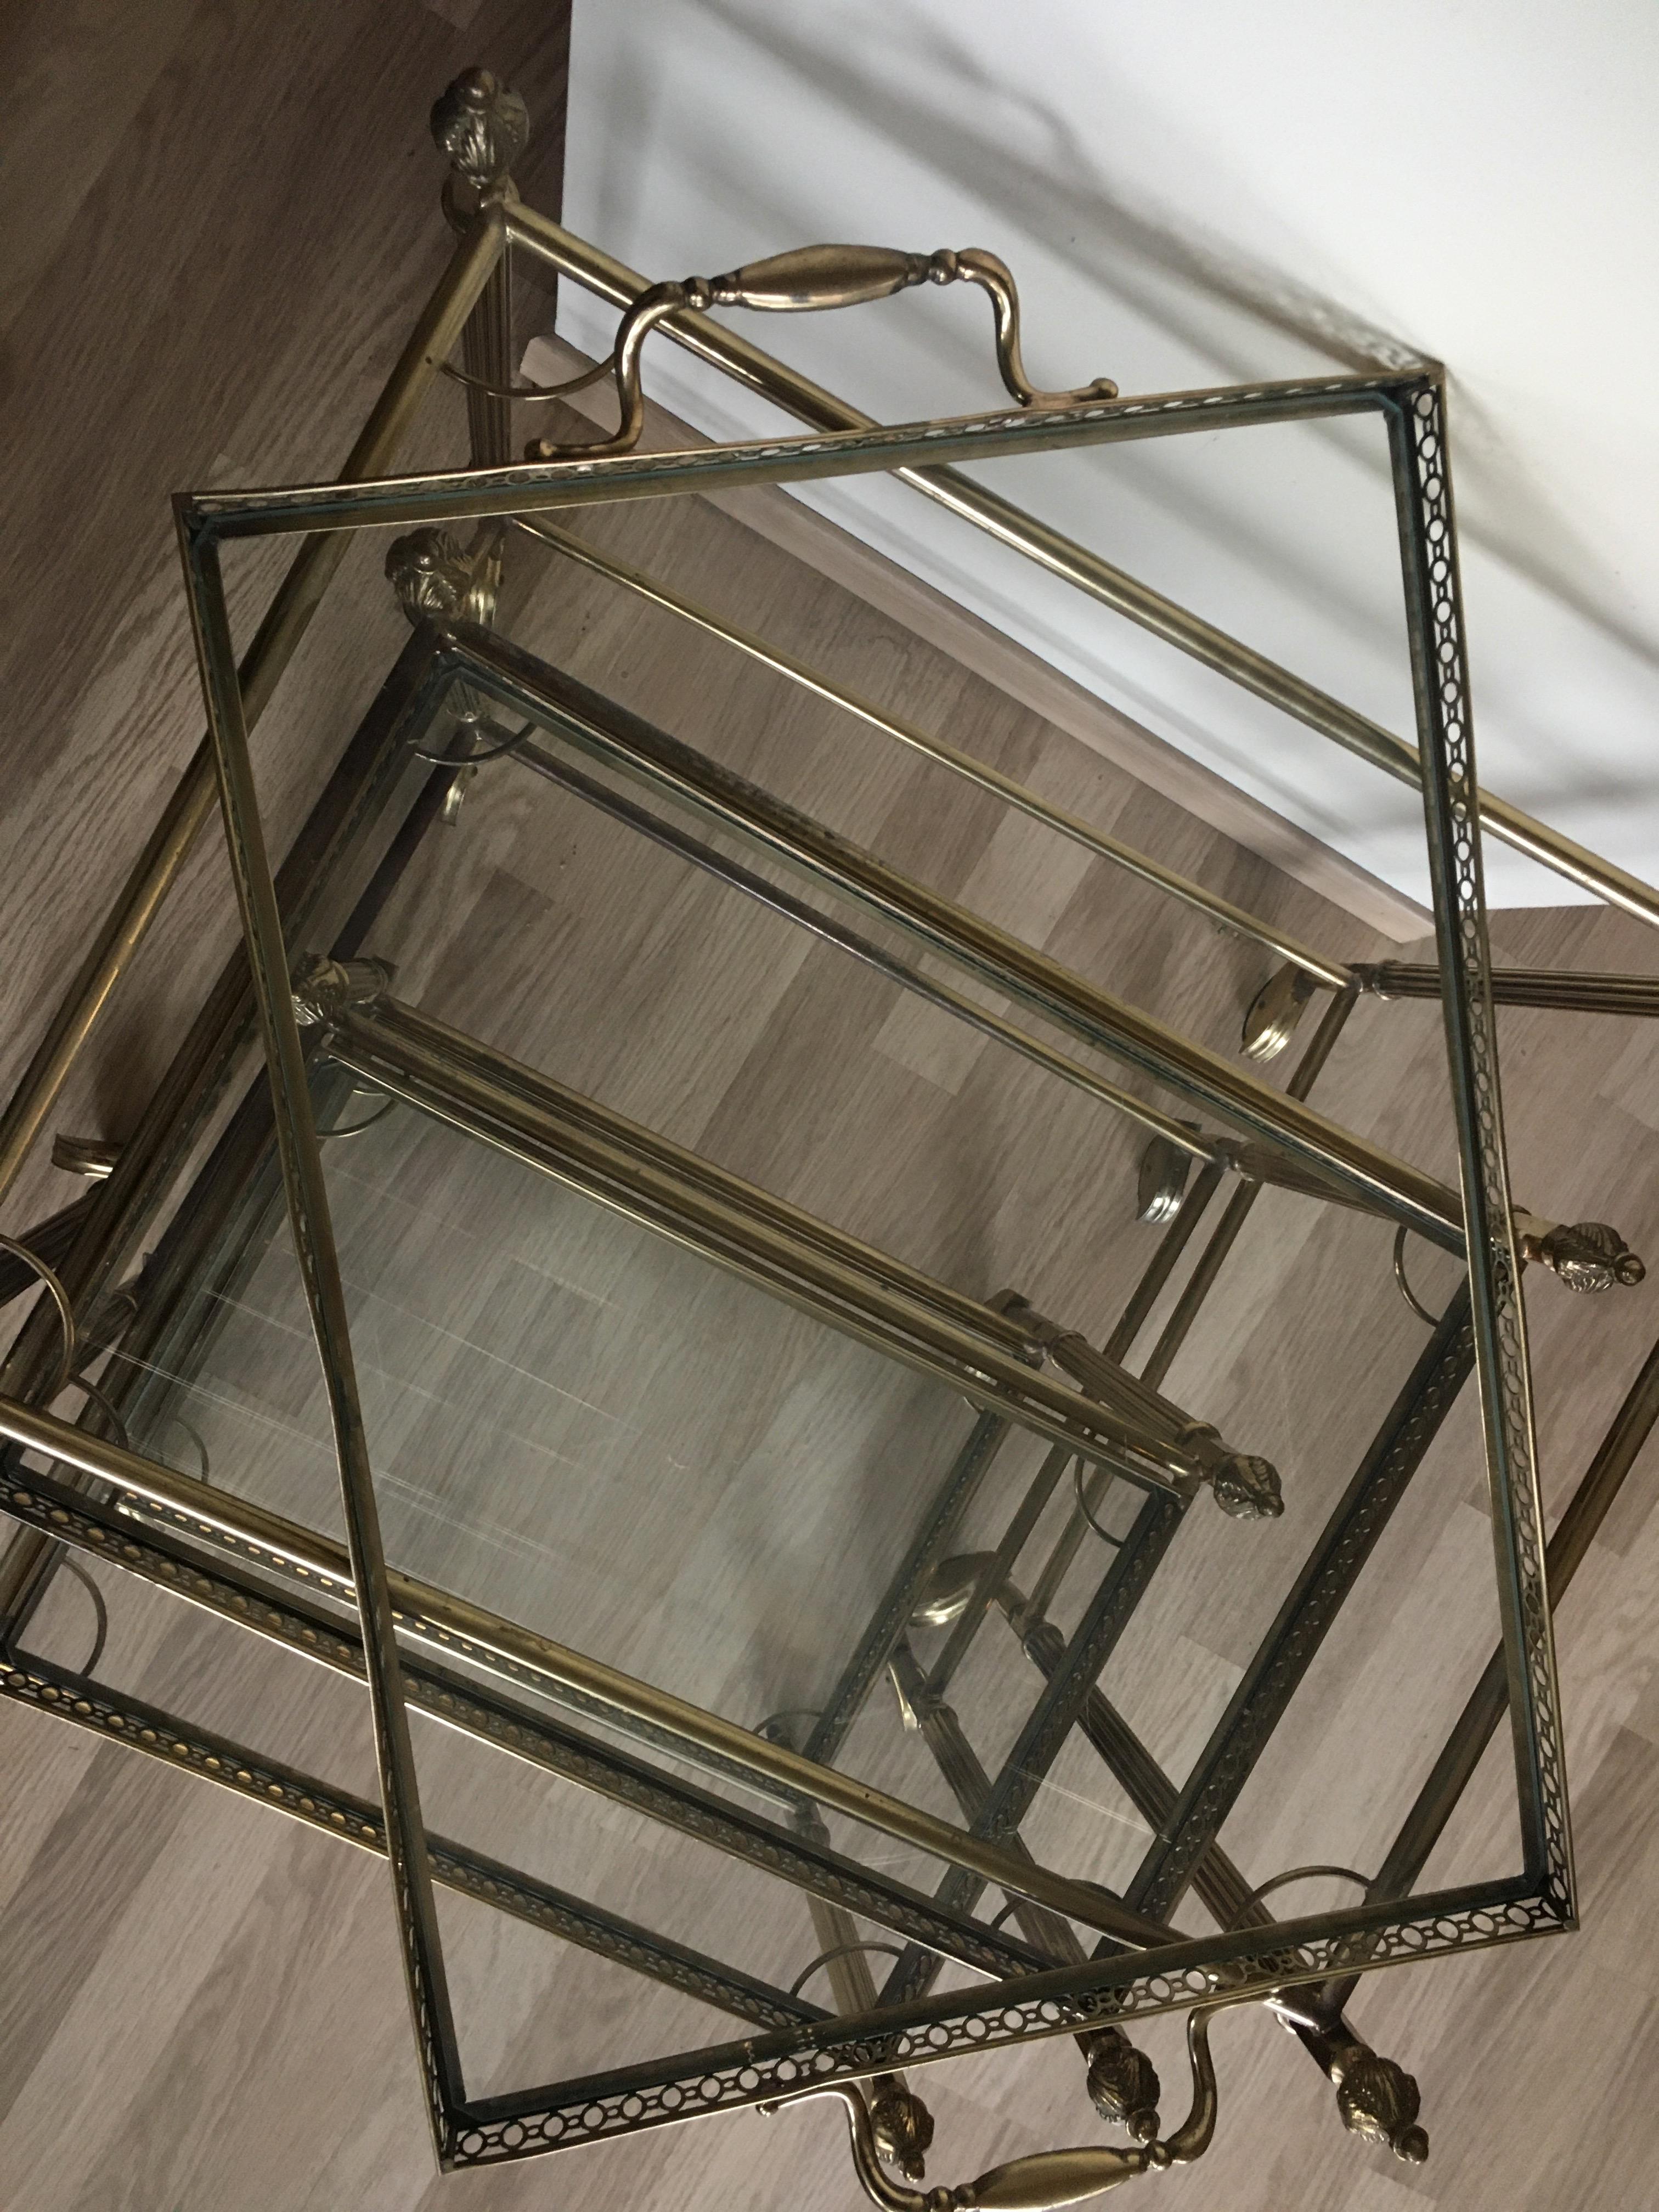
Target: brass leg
column 1124, row 2083
column 904, row 2125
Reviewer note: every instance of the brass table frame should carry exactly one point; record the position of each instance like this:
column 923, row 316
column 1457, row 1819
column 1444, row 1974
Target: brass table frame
column 1140, row 1968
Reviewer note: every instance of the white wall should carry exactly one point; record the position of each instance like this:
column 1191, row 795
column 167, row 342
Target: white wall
column 1201, row 193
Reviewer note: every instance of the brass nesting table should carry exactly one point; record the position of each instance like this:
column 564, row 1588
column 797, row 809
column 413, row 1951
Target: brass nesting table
column 958, row 1814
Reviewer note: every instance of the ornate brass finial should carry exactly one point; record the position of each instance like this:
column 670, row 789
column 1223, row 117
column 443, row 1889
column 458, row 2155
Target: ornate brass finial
column 325, row 988
column 1247, row 1487
column 481, row 126
column 1243, row 1485
column 1379, row 2101
column 1123, row 2082
column 903, row 2125
column 435, row 577
column 1587, row 1255
column 1048, row 2179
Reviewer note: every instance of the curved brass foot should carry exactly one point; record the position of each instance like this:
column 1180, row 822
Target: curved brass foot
column 1271, row 1019
column 1161, row 1182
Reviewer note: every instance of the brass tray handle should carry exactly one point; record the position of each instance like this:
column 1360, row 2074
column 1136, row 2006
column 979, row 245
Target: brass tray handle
column 811, row 278
column 1047, row 2179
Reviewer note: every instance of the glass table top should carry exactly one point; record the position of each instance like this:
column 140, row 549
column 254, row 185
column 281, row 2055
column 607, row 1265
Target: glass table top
column 593, row 1430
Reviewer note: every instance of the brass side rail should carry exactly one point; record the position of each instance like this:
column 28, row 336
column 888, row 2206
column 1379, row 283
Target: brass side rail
column 620, row 739
column 1557, row 989
column 189, row 1749
column 1279, row 1006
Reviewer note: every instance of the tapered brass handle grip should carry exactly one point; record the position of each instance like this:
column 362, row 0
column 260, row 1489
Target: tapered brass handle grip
column 821, row 276
column 810, row 278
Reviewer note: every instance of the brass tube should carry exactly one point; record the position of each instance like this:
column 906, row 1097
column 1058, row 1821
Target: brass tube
column 746, row 364
column 274, row 645
column 844, row 1296
column 1557, row 988
column 437, row 1617
column 1219, row 911
column 1199, row 1285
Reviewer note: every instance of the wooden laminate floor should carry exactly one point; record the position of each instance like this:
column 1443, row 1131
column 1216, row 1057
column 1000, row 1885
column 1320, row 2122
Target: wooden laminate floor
column 200, row 2005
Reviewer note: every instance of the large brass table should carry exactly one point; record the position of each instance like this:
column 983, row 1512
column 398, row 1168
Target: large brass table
column 862, row 1604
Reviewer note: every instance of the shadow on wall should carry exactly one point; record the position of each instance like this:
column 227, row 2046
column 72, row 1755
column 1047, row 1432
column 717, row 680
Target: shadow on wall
column 930, row 93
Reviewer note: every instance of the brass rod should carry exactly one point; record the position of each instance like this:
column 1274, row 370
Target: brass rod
column 286, row 620
column 438, row 1617
column 1200, row 1282
column 1565, row 1553
column 612, row 281
column 996, row 1569
column 1222, row 1889
column 834, row 932
column 971, row 1785
column 905, row 1591
column 1234, row 919
column 622, row 739
column 527, row 1124
column 391, row 1024
column 1161, row 1265
column 1557, row 989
